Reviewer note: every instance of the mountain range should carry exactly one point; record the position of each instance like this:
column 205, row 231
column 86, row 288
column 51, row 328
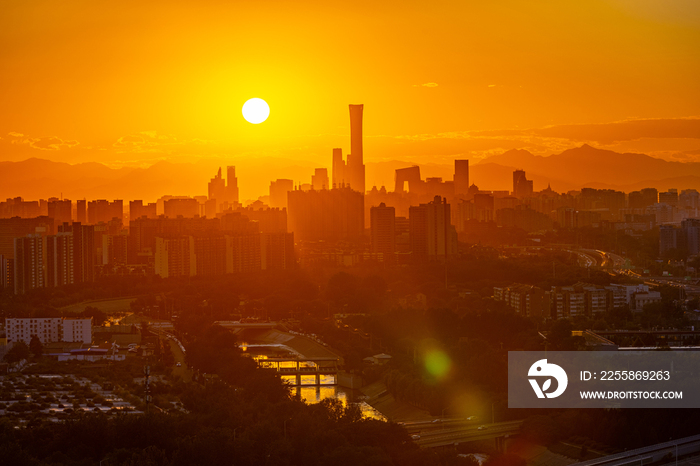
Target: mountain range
column 572, row 169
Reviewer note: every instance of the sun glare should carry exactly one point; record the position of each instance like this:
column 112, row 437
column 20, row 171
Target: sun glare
column 256, row 111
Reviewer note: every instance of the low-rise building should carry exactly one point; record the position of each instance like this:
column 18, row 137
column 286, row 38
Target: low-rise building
column 49, row 329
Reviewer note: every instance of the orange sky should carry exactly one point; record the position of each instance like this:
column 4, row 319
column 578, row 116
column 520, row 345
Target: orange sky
column 133, row 82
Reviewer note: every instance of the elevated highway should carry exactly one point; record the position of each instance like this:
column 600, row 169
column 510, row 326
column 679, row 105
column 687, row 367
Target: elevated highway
column 660, row 453
column 452, row 434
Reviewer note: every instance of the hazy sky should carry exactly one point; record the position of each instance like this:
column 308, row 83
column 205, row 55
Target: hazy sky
column 132, row 82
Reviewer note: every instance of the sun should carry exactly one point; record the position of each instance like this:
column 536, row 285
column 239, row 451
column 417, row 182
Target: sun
column 256, row 111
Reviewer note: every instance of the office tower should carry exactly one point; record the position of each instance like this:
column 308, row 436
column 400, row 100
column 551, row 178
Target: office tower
column 461, row 178
column 328, row 215
column 356, row 163
column 187, row 208
column 83, row 249
column 29, row 263
column 101, row 210
column 410, row 175
column 217, row 188
column 81, row 211
column 59, row 210
column 278, row 192
column 340, row 176
column 383, row 231
column 319, row 180
column 138, row 210
column 231, row 185
column 522, row 187
column 432, row 235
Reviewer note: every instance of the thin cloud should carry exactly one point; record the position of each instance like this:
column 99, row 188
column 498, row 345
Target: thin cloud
column 51, row 143
column 426, row 85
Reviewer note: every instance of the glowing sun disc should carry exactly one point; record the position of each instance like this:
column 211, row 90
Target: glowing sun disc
column 256, row 111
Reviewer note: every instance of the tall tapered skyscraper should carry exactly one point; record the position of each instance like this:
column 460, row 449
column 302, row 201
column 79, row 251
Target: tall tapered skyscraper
column 356, row 165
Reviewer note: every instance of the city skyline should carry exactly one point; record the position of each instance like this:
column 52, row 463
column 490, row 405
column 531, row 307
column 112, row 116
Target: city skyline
column 478, row 87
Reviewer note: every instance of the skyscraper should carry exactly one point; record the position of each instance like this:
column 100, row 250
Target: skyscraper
column 522, row 187
column 278, row 192
column 461, row 178
column 351, row 173
column 339, row 169
column 217, row 188
column 356, row 163
column 231, row 185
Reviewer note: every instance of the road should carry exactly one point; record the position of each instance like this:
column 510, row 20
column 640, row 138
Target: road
column 450, row 435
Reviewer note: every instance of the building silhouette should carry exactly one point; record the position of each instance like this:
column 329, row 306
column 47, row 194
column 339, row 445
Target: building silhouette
column 432, row 236
column 60, row 210
column 522, row 187
column 319, row 180
column 81, row 211
column 138, row 210
column 326, row 215
column 383, row 231
column 351, row 172
column 461, row 177
column 101, row 210
column 29, row 263
column 278, row 192
column 187, row 208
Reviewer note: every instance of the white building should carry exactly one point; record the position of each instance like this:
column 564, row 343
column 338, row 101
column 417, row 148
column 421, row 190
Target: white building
column 50, row 329
column 77, row 329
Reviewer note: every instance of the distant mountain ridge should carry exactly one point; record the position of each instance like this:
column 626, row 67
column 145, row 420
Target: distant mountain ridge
column 572, row 169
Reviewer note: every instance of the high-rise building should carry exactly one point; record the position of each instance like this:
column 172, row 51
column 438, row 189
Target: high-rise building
column 81, row 211
column 187, row 208
column 101, row 210
column 59, row 210
column 5, row 272
column 59, row 260
column 319, row 180
column 217, row 188
column 327, row 215
column 277, row 251
column 461, row 178
column 83, row 250
column 29, row 263
column 432, row 235
column 138, row 210
column 11, row 228
column 340, row 176
column 356, row 163
column 383, row 231
column 174, row 257
column 278, row 192
column 522, row 187
column 231, row 186
column 351, row 173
